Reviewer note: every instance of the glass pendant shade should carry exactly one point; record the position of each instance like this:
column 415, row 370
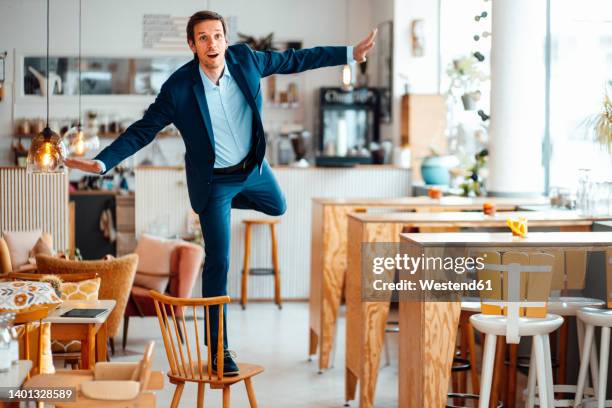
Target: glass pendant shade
column 46, row 153
column 80, row 140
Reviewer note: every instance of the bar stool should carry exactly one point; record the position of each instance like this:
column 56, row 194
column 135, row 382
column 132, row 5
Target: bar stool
column 592, row 318
column 246, row 271
column 569, row 274
column 515, row 307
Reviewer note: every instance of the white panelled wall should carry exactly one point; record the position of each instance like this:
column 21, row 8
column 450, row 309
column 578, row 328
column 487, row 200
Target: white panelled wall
column 35, row 201
column 161, row 195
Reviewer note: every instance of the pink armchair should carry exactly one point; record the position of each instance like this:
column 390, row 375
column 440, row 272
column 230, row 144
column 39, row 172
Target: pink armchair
column 185, row 264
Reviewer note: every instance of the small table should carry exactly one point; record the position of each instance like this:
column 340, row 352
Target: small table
column 427, row 330
column 92, row 332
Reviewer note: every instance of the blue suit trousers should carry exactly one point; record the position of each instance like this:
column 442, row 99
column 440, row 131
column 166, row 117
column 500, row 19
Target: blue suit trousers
column 251, row 190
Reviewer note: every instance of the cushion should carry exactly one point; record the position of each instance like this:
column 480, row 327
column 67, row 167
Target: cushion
column 19, row 244
column 41, row 247
column 19, row 295
column 110, row 390
column 83, row 290
column 154, row 256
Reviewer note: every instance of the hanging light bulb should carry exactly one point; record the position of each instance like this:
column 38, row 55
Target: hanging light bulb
column 347, row 78
column 46, row 153
column 81, row 140
column 47, row 150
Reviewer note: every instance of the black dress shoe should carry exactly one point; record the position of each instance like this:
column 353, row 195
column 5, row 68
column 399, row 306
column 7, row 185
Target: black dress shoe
column 230, row 368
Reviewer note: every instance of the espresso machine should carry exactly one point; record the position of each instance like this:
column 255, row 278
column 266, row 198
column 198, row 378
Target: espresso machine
column 349, row 120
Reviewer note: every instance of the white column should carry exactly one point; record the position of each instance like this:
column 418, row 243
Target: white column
column 517, row 97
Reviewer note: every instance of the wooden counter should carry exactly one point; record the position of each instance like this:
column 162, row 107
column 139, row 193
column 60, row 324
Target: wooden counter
column 329, row 246
column 366, row 321
column 427, row 330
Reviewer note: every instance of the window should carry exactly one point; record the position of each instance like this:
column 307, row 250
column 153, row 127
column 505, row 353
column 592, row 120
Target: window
column 580, row 71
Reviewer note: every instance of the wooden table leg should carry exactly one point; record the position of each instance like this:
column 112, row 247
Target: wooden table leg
column 101, row 343
column 375, row 320
column 88, row 348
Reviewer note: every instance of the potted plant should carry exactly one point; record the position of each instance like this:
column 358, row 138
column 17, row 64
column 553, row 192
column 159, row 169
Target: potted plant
column 466, row 77
column 601, row 125
column 435, row 168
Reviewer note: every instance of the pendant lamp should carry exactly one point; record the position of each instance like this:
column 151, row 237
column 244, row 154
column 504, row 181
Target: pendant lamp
column 47, row 150
column 81, row 139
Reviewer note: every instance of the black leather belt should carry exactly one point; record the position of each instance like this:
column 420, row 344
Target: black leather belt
column 244, row 166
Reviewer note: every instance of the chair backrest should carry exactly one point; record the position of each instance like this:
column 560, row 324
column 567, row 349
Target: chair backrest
column 520, row 286
column 570, row 269
column 184, row 363
column 5, row 258
column 65, row 277
column 144, row 369
column 186, row 264
column 23, row 322
column 117, row 276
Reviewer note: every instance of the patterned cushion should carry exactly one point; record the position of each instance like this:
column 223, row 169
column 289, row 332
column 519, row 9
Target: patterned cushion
column 83, row 290
column 20, row 295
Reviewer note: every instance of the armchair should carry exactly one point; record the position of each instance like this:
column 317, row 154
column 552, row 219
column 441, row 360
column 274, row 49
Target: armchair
column 117, row 276
column 185, row 262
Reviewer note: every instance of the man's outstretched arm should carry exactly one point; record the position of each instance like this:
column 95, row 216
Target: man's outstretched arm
column 142, row 132
column 293, row 61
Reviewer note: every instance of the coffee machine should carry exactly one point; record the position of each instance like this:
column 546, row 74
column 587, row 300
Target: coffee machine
column 349, row 120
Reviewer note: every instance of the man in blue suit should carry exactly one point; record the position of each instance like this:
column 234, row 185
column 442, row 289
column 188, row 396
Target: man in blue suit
column 215, row 102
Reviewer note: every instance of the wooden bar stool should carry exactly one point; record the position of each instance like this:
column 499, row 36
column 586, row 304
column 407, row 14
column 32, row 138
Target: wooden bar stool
column 246, row 271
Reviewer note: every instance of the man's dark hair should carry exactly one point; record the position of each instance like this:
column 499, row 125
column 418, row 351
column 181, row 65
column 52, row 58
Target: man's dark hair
column 203, row 16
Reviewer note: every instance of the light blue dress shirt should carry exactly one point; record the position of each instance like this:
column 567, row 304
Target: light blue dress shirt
column 231, row 117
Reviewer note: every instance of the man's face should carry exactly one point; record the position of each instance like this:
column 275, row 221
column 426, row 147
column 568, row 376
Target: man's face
column 210, row 43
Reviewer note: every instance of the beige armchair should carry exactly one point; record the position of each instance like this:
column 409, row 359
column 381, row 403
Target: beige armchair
column 8, row 265
column 117, row 276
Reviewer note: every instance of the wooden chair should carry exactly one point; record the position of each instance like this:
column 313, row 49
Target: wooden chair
column 514, row 308
column 24, row 321
column 108, row 385
column 186, row 362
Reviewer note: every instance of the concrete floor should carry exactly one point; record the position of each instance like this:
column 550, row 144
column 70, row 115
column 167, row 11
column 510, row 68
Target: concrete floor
column 277, row 340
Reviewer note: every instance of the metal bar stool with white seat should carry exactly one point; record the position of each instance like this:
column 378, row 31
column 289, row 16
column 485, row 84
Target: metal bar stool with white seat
column 591, row 318
column 515, row 306
column 569, row 274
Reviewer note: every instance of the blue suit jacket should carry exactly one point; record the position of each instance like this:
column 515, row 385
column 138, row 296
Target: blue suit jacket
column 182, row 101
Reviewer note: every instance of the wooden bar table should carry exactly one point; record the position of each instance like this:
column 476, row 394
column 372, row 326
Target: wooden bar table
column 428, row 329
column 366, row 321
column 329, row 248
column 92, row 332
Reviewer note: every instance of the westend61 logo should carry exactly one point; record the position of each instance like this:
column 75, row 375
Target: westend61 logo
column 404, row 262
